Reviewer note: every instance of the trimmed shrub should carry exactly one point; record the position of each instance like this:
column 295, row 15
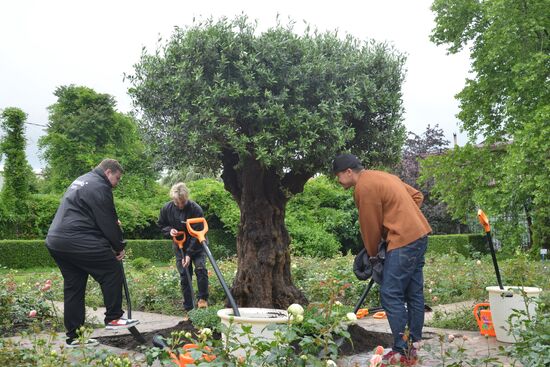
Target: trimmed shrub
column 22, row 254
column 464, row 244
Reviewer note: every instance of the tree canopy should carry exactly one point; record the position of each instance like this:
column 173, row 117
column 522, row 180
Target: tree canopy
column 84, row 128
column 270, row 109
column 506, row 102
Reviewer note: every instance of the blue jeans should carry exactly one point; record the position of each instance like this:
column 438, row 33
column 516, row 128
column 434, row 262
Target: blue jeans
column 402, row 292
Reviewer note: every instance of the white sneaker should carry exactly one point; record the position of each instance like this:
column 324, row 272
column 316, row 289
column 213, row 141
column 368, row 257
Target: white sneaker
column 75, row 343
column 121, row 323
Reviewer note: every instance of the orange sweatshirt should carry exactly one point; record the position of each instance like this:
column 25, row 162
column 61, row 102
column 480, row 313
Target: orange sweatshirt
column 388, row 208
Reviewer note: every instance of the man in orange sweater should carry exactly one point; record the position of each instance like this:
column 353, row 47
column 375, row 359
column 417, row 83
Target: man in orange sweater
column 390, row 209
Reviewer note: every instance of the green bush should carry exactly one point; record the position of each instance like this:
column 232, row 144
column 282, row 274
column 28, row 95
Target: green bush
column 464, row 244
column 141, row 263
column 23, row 254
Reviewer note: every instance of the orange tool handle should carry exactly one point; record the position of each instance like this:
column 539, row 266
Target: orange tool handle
column 200, row 235
column 180, row 242
column 484, row 220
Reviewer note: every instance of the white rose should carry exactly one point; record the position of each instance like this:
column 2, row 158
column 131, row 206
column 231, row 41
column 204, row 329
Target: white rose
column 295, row 309
column 331, row 363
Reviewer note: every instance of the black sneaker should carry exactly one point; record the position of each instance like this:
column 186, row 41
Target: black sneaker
column 87, row 343
column 121, row 323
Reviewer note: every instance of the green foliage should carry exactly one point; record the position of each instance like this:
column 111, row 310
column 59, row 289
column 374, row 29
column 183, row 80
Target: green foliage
column 323, row 219
column 221, row 87
column 506, row 102
column 20, row 254
column 84, row 128
column 468, row 245
column 141, row 263
column 461, row 319
column 532, row 347
column 205, row 317
column 471, row 177
column 18, row 299
column 17, row 172
column 218, row 206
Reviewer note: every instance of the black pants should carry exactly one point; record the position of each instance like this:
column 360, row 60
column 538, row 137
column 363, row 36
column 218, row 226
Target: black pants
column 199, row 262
column 75, row 268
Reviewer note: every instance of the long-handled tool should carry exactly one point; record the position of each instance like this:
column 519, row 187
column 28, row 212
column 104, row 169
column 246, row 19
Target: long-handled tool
column 364, row 296
column 201, row 236
column 135, row 332
column 485, row 223
column 180, row 244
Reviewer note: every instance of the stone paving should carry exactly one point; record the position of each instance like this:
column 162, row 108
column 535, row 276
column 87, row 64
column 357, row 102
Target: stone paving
column 475, row 344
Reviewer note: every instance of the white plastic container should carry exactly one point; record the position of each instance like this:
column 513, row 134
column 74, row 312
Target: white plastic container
column 504, row 301
column 257, row 318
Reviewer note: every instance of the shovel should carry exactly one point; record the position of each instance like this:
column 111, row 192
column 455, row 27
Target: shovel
column 186, row 269
column 200, row 235
column 135, row 332
column 485, row 223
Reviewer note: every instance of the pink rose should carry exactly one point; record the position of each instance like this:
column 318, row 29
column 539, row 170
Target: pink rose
column 379, row 350
column 375, row 360
column 46, row 287
column 32, row 313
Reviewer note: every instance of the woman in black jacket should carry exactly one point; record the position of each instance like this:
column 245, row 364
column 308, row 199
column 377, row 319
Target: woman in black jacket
column 172, row 219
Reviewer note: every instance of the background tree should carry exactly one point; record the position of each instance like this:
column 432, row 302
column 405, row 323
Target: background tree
column 507, row 99
column 417, row 147
column 17, row 171
column 84, row 128
column 270, row 110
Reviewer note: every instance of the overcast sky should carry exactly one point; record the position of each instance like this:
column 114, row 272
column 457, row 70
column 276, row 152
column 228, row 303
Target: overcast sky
column 46, row 44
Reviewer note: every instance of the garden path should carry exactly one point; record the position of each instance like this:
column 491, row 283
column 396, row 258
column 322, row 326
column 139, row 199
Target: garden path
column 476, row 346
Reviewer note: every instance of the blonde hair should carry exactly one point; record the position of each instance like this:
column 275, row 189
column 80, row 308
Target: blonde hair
column 179, row 191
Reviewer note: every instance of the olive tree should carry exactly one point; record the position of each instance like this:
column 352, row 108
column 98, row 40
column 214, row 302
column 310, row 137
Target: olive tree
column 270, row 110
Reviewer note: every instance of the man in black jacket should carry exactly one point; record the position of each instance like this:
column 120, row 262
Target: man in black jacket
column 85, row 239
column 172, row 219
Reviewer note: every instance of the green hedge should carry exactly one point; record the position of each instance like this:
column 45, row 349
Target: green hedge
column 465, row 244
column 21, row 254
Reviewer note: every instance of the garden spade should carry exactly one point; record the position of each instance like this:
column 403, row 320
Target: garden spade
column 180, row 243
column 135, row 332
column 485, row 223
column 200, row 235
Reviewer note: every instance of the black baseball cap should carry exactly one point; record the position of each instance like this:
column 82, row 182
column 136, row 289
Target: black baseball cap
column 345, row 161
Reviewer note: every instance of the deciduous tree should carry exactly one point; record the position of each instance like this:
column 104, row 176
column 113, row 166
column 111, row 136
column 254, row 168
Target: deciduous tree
column 506, row 100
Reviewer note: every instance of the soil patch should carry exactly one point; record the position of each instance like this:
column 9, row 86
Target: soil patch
column 362, row 340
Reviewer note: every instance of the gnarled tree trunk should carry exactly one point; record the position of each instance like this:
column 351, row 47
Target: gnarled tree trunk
column 263, row 276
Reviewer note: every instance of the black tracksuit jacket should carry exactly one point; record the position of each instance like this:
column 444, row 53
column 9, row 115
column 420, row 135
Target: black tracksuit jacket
column 173, row 217
column 86, row 220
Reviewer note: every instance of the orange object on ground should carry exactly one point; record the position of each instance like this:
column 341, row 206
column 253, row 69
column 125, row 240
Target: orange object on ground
column 380, row 315
column 362, row 312
column 484, row 319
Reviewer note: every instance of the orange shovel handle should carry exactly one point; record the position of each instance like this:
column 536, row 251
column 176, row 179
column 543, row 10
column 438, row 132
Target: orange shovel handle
column 484, row 220
column 200, row 235
column 180, row 242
